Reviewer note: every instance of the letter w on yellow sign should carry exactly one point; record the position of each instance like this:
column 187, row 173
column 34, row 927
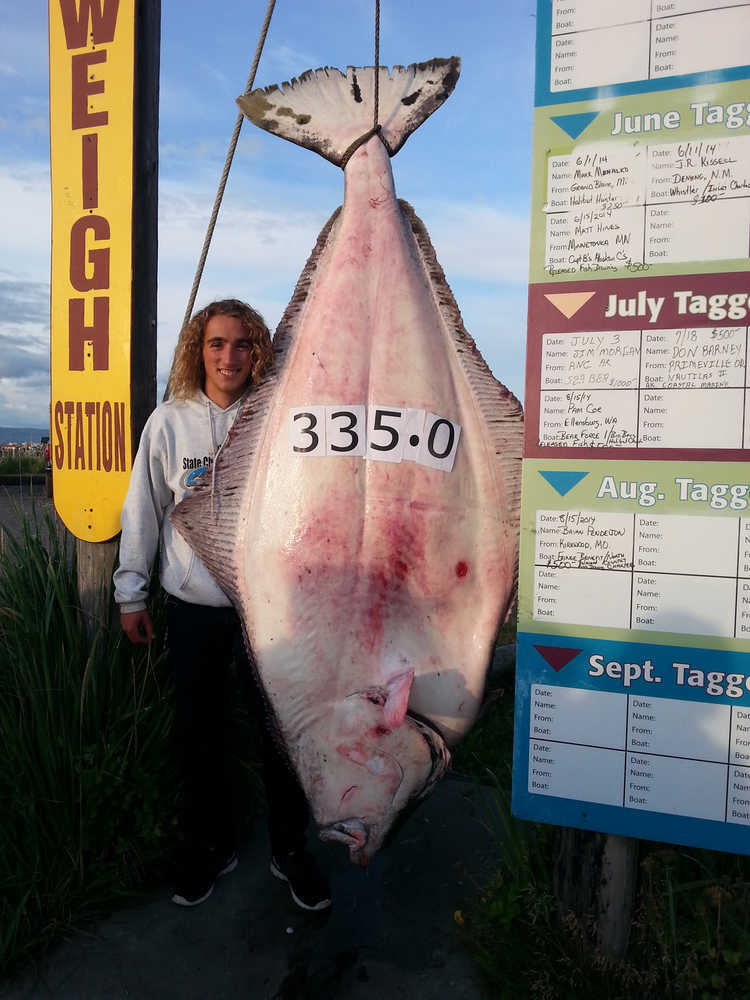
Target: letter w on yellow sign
column 91, row 142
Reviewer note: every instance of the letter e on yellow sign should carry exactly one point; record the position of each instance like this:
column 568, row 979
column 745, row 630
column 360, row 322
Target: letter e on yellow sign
column 92, row 51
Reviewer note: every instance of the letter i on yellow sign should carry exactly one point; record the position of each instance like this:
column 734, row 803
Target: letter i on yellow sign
column 92, row 50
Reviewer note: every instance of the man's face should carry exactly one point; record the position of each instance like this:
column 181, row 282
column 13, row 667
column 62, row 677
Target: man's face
column 226, row 358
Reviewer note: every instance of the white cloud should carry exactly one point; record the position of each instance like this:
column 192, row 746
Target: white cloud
column 287, row 62
column 25, row 197
column 24, row 401
column 36, row 125
column 257, row 252
column 479, row 241
column 24, row 52
column 262, row 240
column 24, row 295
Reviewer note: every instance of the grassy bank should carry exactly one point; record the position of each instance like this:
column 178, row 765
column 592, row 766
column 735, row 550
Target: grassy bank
column 21, row 465
column 88, row 790
column 690, row 936
column 85, row 797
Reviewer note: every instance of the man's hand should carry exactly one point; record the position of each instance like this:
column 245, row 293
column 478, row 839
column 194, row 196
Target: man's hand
column 137, row 627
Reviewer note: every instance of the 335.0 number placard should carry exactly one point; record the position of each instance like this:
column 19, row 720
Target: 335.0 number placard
column 382, row 433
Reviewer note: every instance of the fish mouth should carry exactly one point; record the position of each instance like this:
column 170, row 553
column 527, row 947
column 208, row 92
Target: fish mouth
column 351, row 832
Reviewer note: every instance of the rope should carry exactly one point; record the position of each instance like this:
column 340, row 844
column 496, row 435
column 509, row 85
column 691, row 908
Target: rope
column 352, row 149
column 377, row 63
column 227, row 165
column 375, row 130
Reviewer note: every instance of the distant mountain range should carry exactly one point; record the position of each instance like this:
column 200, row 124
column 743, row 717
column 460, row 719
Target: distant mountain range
column 17, row 435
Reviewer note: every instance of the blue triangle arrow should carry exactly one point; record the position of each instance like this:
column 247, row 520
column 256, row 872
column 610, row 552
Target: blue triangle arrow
column 573, row 125
column 563, row 482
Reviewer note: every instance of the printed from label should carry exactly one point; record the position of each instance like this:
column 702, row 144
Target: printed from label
column 380, row 433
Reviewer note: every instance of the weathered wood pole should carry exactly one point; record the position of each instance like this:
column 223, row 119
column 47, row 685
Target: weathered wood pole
column 96, row 559
column 595, row 878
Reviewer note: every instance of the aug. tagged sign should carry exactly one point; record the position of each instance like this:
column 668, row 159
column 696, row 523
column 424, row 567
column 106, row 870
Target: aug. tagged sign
column 92, row 49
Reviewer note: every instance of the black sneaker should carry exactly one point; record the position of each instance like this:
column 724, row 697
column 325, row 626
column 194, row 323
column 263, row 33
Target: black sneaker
column 197, row 881
column 307, row 884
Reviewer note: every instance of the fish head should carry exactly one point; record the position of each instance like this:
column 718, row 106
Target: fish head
column 377, row 759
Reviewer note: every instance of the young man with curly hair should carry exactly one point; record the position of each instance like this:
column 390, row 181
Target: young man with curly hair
column 221, row 353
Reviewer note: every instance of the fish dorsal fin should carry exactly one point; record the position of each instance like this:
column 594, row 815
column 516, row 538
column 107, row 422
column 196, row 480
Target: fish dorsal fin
column 326, row 110
column 208, row 518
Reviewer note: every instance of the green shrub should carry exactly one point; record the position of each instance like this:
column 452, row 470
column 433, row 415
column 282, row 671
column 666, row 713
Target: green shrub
column 87, row 796
column 88, row 784
column 13, row 465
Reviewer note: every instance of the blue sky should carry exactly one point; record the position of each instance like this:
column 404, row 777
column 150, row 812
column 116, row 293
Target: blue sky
column 466, row 171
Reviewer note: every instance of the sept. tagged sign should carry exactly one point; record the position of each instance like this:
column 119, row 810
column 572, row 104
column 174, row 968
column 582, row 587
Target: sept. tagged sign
column 92, row 51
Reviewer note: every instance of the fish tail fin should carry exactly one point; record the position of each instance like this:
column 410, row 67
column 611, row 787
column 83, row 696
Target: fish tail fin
column 327, row 111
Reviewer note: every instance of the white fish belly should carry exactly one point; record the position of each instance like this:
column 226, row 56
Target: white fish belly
column 357, row 569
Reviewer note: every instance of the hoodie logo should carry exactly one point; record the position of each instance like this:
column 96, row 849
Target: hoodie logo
column 195, row 470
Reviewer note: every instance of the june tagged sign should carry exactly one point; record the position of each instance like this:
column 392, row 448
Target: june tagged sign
column 92, row 49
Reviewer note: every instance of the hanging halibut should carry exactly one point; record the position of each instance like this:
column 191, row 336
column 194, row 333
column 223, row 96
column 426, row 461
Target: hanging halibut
column 365, row 514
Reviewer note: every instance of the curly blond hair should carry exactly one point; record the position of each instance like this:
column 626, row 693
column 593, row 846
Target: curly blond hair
column 188, row 374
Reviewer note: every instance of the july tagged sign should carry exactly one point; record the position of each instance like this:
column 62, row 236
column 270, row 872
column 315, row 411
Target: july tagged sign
column 92, row 48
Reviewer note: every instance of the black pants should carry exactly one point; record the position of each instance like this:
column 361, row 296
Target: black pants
column 202, row 642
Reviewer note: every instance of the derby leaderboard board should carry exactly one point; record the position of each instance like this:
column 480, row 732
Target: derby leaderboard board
column 633, row 674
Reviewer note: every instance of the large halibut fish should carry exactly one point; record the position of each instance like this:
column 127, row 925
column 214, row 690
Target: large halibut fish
column 364, row 512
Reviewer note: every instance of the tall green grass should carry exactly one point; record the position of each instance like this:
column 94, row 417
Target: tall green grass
column 12, row 465
column 87, row 792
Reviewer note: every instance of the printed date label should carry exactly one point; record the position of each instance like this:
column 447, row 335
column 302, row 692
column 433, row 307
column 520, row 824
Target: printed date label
column 382, row 433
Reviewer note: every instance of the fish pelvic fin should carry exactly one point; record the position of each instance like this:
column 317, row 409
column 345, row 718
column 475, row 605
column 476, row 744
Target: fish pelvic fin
column 398, row 688
column 328, row 111
column 393, row 696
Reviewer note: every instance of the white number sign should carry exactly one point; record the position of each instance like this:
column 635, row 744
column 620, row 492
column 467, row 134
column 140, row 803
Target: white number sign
column 384, row 441
column 345, row 430
column 439, row 443
column 307, row 430
column 380, row 433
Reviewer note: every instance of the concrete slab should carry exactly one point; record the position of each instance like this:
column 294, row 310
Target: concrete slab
column 390, row 933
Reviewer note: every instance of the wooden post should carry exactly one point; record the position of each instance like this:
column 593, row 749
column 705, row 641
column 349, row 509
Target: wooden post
column 595, row 878
column 145, row 207
column 96, row 559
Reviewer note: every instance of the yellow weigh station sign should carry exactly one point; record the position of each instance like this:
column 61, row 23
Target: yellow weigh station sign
column 92, row 49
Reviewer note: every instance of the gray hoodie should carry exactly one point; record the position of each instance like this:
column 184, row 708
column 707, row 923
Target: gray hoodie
column 178, row 447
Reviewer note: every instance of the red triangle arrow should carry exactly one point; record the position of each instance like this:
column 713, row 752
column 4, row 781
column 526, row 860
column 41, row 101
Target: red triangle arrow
column 556, row 656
